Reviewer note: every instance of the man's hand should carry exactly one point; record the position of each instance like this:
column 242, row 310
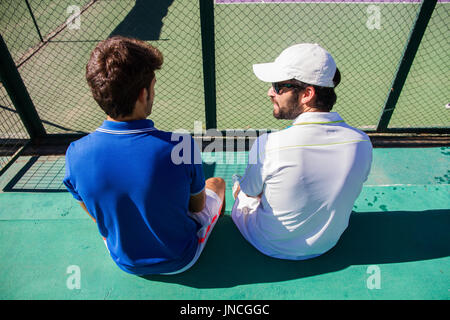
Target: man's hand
column 239, row 189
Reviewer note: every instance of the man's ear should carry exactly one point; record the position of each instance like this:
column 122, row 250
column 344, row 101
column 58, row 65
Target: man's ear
column 308, row 95
column 143, row 93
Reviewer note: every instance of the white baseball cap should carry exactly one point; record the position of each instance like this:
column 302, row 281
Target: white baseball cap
column 306, row 62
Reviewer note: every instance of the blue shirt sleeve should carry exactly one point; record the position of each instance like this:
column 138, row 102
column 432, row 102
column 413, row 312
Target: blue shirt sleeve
column 197, row 175
column 68, row 178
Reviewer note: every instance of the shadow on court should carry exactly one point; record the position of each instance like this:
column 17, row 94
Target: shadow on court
column 371, row 238
column 144, row 21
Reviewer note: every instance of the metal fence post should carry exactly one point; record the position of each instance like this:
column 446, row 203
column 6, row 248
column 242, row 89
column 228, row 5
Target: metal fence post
column 18, row 93
column 34, row 20
column 415, row 37
column 209, row 65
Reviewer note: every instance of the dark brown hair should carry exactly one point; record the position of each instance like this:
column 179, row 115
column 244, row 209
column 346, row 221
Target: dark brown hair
column 325, row 96
column 118, row 69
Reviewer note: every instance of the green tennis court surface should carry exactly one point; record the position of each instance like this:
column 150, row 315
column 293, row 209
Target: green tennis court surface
column 399, row 226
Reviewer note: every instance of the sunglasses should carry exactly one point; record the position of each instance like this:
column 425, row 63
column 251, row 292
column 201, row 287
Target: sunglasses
column 278, row 86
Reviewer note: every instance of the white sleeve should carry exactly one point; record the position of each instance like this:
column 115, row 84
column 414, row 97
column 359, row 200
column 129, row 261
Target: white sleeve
column 252, row 183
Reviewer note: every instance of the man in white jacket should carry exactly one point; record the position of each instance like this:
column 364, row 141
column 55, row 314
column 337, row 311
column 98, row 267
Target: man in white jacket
column 296, row 196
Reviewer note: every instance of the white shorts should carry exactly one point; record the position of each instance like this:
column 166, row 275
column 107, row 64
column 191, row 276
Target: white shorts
column 207, row 218
column 243, row 211
column 244, row 217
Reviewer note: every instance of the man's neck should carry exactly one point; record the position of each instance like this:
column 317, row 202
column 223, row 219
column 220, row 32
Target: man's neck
column 307, row 108
column 124, row 119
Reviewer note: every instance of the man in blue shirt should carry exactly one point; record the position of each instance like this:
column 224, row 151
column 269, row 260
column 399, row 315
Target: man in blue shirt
column 154, row 212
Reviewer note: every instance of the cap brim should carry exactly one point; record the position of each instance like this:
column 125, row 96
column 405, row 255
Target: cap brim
column 270, row 72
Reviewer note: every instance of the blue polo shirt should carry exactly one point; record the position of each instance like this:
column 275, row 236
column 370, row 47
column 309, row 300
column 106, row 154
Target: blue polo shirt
column 136, row 182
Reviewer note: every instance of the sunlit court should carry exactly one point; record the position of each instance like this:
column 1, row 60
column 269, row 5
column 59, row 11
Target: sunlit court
column 393, row 57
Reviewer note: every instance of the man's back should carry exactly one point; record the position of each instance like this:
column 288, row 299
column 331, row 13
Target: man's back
column 138, row 196
column 310, row 175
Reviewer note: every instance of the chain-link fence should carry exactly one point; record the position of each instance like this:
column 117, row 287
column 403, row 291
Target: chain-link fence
column 13, row 135
column 367, row 39
column 50, row 42
column 425, row 98
column 53, row 69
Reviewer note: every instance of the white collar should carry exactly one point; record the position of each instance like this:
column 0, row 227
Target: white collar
column 317, row 118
